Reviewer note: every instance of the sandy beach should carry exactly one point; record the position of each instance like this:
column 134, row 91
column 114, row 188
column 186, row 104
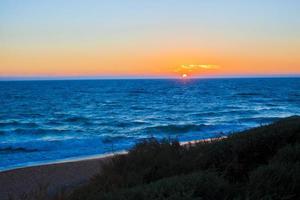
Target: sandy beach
column 56, row 176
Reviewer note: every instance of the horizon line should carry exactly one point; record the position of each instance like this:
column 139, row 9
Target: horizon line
column 63, row 77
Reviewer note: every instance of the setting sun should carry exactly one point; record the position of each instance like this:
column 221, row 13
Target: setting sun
column 184, row 76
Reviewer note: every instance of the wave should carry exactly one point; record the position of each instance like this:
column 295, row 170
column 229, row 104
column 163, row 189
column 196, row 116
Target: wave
column 175, row 128
column 6, row 150
column 31, row 115
column 38, row 131
column 120, row 124
column 271, row 104
column 11, row 123
column 295, row 94
column 134, row 107
column 127, row 124
column 260, row 120
column 18, row 124
column 139, row 91
column 77, row 119
column 247, row 94
column 111, row 139
column 225, row 112
column 53, row 123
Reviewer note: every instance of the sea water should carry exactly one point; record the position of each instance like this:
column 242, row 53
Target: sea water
column 46, row 121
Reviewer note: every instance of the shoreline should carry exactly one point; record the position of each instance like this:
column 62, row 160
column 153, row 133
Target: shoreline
column 98, row 156
column 66, row 160
column 59, row 175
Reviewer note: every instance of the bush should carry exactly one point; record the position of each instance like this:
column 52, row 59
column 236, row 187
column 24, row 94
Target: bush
column 242, row 152
column 202, row 185
column 288, row 154
column 148, row 161
column 270, row 152
column 280, row 179
column 275, row 181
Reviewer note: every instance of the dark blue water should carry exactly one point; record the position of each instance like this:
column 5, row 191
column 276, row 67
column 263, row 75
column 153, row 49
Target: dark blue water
column 42, row 121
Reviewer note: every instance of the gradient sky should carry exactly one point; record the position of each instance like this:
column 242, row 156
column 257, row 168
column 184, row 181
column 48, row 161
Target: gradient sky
column 149, row 38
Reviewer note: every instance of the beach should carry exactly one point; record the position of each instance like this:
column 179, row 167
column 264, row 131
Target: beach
column 55, row 176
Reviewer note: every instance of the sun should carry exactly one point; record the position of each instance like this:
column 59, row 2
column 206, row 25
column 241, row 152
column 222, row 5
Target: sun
column 184, row 76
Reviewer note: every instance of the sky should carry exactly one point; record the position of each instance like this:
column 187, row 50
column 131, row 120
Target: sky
column 157, row 38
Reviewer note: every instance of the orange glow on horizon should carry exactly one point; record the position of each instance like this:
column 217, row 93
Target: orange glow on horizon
column 144, row 63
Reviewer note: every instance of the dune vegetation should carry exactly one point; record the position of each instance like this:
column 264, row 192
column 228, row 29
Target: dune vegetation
column 260, row 163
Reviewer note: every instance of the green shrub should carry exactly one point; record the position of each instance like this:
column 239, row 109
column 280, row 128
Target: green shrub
column 275, row 181
column 280, row 179
column 288, row 154
column 245, row 151
column 234, row 159
column 203, row 185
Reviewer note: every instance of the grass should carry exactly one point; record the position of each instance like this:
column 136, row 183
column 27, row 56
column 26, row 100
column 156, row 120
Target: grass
column 260, row 163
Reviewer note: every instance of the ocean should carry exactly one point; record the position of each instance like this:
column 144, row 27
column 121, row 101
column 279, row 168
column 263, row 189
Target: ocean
column 47, row 121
